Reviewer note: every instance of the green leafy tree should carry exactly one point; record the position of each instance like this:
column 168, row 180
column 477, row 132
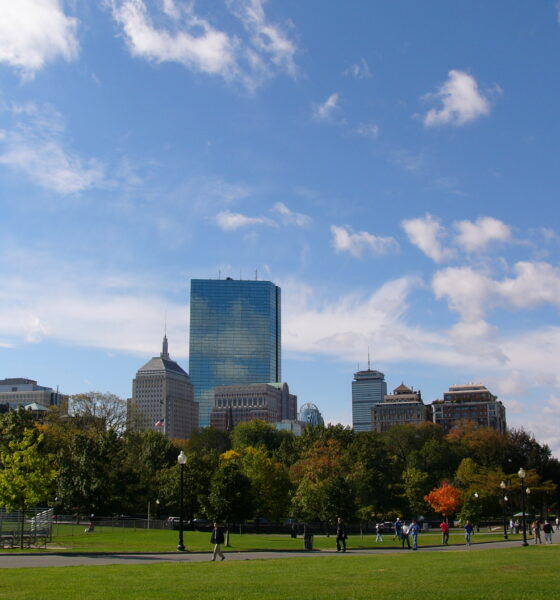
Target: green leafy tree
column 371, row 474
column 209, row 439
column 416, row 485
column 230, row 499
column 256, row 434
column 91, row 471
column 26, row 475
column 144, row 454
column 199, row 471
column 15, row 425
column 270, row 483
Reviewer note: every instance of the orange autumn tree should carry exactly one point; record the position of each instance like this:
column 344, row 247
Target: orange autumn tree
column 446, row 499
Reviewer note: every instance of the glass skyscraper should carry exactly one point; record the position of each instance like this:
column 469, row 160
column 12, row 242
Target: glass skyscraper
column 368, row 389
column 234, row 336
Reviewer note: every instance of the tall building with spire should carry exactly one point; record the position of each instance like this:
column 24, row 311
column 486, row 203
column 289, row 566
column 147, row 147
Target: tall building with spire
column 368, row 389
column 163, row 397
column 235, row 336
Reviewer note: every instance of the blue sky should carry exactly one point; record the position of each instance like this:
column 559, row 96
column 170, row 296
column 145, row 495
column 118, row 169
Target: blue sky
column 393, row 166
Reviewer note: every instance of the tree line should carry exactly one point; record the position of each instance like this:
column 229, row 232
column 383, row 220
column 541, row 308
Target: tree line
column 89, row 461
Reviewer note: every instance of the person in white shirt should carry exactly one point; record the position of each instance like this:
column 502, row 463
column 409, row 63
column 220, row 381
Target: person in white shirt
column 378, row 536
column 404, row 534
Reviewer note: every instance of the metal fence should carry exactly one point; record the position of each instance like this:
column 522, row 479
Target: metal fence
column 29, row 529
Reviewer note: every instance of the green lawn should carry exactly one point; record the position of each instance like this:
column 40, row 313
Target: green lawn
column 512, row 573
column 107, row 539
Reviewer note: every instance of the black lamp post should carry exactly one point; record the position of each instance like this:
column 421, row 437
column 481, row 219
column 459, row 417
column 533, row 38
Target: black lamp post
column 521, row 473
column 181, row 459
column 504, row 498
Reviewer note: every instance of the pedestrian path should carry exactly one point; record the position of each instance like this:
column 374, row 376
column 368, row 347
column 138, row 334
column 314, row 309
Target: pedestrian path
column 62, row 559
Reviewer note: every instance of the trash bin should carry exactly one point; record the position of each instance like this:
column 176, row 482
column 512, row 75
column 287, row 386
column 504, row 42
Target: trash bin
column 308, row 541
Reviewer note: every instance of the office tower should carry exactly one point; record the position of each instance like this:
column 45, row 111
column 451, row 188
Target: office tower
column 471, row 402
column 162, row 398
column 368, row 389
column 270, row 402
column 234, row 336
column 16, row 392
column 403, row 407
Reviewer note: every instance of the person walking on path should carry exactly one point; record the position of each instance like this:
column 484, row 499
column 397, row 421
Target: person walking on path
column 547, row 528
column 340, row 535
column 398, row 529
column 557, row 523
column 444, row 533
column 404, row 535
column 413, row 531
column 217, row 539
column 378, row 536
column 537, row 532
column 468, row 532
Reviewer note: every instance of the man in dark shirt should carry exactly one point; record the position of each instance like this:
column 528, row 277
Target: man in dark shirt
column 547, row 528
column 340, row 535
column 217, row 539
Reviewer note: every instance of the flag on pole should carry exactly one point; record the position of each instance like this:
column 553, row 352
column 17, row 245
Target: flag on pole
column 159, row 423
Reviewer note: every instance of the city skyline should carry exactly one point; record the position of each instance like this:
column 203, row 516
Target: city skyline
column 398, row 185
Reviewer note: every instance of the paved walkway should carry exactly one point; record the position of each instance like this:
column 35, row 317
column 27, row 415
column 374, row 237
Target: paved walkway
column 63, row 559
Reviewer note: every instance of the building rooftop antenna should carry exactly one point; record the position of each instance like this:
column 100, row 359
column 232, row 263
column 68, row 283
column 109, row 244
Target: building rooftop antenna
column 219, row 273
column 256, row 274
column 368, row 363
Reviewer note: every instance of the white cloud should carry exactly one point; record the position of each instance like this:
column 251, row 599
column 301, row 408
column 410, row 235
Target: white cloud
column 472, row 293
column 360, row 70
column 115, row 311
column 362, row 242
column 368, row 130
column 35, row 32
column 35, row 146
column 426, row 233
column 475, row 236
column 535, row 283
column 265, row 37
column 467, row 291
column 326, row 110
column 229, row 221
column 199, row 46
column 195, row 43
column 344, row 327
column 460, row 99
column 289, row 217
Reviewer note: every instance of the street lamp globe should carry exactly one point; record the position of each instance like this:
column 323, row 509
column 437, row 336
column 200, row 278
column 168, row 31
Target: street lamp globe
column 182, row 458
column 503, row 485
column 521, row 473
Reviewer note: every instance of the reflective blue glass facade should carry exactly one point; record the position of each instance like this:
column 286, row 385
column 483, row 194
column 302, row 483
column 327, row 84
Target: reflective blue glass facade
column 368, row 389
column 234, row 336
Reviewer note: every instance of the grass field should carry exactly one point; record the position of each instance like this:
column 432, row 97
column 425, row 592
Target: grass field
column 510, row 573
column 107, row 539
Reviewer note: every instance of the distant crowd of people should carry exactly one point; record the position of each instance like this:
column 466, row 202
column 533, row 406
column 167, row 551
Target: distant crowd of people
column 405, row 532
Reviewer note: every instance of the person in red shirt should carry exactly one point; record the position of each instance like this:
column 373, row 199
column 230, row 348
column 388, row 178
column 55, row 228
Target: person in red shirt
column 444, row 532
